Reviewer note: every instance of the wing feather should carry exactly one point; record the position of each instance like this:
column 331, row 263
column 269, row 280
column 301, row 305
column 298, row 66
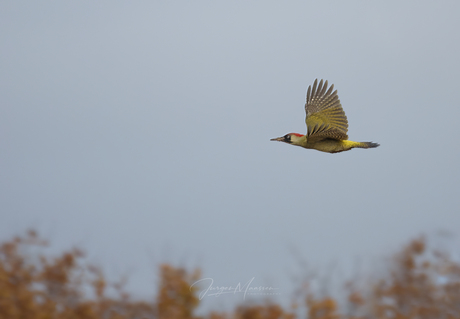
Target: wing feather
column 325, row 116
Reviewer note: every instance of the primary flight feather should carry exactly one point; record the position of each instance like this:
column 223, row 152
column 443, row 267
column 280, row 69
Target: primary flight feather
column 327, row 124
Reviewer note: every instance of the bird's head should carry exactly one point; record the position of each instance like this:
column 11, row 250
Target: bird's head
column 291, row 138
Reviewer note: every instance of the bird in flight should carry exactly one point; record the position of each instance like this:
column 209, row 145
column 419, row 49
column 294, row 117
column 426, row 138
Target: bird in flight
column 327, row 123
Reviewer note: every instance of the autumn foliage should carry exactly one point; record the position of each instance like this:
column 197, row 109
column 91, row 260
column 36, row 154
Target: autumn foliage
column 420, row 283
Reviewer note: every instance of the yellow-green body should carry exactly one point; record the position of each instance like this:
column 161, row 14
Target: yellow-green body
column 328, row 145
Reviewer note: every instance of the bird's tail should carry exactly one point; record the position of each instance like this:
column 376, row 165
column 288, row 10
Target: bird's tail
column 366, row 145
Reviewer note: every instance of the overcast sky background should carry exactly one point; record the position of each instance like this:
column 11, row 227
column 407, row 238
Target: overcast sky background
column 139, row 130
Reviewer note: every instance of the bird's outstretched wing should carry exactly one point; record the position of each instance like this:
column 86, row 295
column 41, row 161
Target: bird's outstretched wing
column 325, row 116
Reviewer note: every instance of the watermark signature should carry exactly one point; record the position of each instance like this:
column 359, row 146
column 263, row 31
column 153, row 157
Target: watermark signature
column 246, row 289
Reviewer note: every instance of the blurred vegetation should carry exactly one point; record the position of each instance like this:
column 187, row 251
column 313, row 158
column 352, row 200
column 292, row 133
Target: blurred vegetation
column 420, row 283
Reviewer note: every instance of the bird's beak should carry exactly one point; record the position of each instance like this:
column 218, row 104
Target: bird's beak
column 279, row 139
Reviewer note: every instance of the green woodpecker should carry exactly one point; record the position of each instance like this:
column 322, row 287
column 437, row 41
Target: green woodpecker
column 327, row 123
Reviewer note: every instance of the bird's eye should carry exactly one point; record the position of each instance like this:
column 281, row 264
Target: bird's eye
column 287, row 137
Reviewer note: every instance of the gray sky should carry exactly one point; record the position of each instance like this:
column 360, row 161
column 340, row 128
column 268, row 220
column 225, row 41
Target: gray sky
column 140, row 131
